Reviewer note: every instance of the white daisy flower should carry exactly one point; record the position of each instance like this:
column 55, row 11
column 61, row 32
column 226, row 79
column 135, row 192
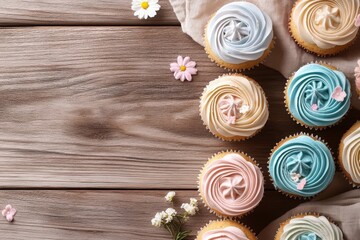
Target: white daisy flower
column 145, row 8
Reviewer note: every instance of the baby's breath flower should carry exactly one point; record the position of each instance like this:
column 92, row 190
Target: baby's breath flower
column 194, row 202
column 157, row 220
column 174, row 222
column 170, row 213
column 186, row 218
column 170, row 196
column 189, row 209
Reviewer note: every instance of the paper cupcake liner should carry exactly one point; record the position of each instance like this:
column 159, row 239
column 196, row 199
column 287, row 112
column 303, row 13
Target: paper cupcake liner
column 248, row 158
column 235, row 67
column 358, row 91
column 234, row 138
column 249, row 229
column 335, row 50
column 297, row 120
column 340, row 163
column 282, row 141
column 280, row 229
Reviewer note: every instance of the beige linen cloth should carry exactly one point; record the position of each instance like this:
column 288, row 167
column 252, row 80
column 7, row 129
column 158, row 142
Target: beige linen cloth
column 286, row 57
column 344, row 210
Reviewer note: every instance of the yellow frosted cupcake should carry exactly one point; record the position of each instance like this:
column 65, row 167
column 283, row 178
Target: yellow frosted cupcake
column 231, row 184
column 308, row 226
column 239, row 36
column 349, row 154
column 225, row 230
column 234, row 107
column 324, row 27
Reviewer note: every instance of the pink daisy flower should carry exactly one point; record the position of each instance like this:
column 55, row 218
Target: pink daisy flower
column 9, row 213
column 183, row 68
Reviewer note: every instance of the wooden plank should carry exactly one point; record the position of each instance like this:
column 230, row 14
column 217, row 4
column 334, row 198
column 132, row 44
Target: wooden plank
column 96, row 107
column 109, row 214
column 79, row 12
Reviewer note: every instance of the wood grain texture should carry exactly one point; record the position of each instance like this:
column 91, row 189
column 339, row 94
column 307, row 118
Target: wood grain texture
column 98, row 107
column 108, row 215
column 79, row 12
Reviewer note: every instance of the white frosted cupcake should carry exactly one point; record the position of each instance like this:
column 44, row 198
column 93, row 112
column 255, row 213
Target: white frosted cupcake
column 308, row 226
column 239, row 36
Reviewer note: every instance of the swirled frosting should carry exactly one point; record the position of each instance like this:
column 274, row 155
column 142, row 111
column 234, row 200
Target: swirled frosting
column 239, row 32
column 232, row 186
column 233, row 106
column 228, row 233
column 350, row 154
column 326, row 23
column 305, row 158
column 311, row 228
column 314, row 85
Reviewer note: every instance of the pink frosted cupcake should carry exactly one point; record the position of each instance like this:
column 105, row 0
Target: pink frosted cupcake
column 231, row 184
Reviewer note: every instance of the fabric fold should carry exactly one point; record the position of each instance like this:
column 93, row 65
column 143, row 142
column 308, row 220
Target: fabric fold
column 343, row 209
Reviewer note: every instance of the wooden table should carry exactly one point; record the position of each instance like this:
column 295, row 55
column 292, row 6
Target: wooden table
column 94, row 130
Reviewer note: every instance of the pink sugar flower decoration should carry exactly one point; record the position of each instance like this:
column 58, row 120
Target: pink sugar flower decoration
column 314, row 107
column 338, row 94
column 9, row 213
column 232, row 108
column 183, row 69
column 357, row 75
column 357, row 21
column 301, row 184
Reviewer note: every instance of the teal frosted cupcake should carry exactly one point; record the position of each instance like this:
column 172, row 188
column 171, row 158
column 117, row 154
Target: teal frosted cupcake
column 317, row 95
column 301, row 166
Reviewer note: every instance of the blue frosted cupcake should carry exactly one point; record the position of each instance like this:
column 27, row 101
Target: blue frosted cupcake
column 301, row 166
column 317, row 96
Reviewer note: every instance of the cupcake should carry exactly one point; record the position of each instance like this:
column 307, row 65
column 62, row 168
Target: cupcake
column 239, row 36
column 225, row 230
column 308, row 227
column 231, row 184
column 357, row 77
column 234, row 107
column 317, row 96
column 349, row 154
column 324, row 27
column 301, row 166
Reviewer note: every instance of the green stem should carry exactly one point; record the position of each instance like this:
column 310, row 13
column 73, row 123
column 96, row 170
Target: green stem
column 175, row 227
